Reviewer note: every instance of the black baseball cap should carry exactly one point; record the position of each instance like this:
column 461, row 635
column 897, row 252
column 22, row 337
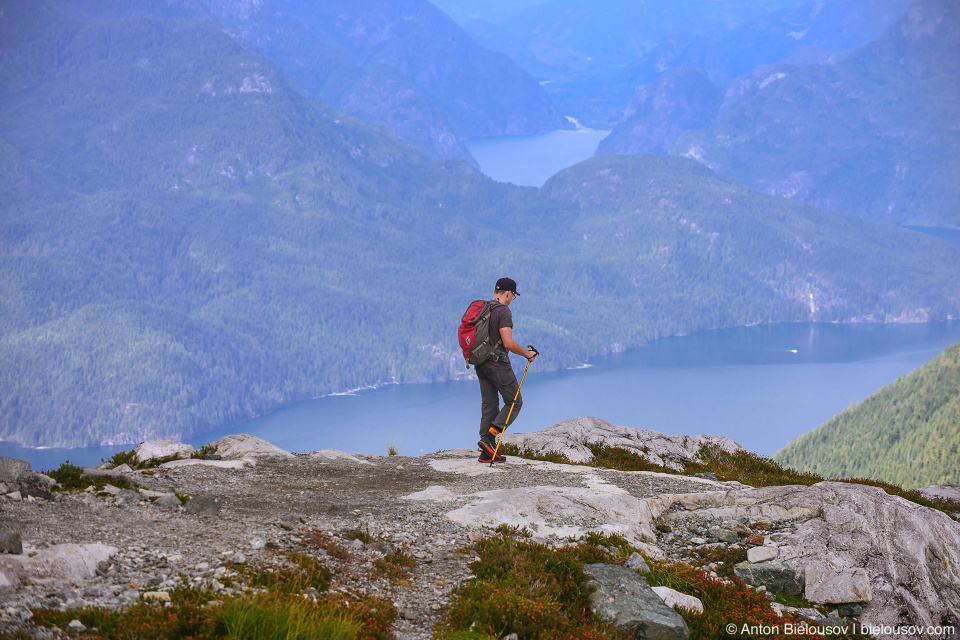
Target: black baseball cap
column 506, row 284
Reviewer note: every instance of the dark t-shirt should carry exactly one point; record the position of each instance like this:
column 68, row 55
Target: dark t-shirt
column 499, row 317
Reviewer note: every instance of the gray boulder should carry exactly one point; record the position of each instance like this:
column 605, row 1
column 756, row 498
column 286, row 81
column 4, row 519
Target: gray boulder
column 625, row 600
column 571, row 436
column 57, row 564
column 10, row 542
column 32, row 483
column 943, row 491
column 203, row 505
column 127, row 497
column 775, row 576
column 242, row 446
column 168, row 501
column 637, row 563
column 12, row 468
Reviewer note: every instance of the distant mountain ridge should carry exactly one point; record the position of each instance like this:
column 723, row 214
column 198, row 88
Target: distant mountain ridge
column 906, row 433
column 189, row 240
column 593, row 56
column 873, row 134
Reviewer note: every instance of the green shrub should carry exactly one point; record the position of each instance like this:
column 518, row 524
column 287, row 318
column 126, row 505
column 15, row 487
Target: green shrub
column 332, row 547
column 187, row 618
column 725, row 603
column 69, row 477
column 363, row 535
column 530, row 589
column 301, row 573
column 395, row 566
column 121, row 457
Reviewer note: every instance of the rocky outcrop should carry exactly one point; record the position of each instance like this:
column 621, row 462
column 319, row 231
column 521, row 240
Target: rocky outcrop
column 56, row 564
column 947, row 491
column 854, row 548
column 571, row 437
column 901, row 560
column 147, row 452
column 18, row 480
column 243, row 446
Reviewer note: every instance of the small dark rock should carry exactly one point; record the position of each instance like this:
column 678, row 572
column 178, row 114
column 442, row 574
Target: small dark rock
column 850, row 609
column 168, row 501
column 706, row 476
column 723, row 535
column 10, row 542
column 212, row 456
column 204, row 505
column 382, row 546
column 126, row 496
column 776, row 576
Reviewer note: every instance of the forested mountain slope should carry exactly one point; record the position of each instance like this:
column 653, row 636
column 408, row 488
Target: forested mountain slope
column 479, row 92
column 907, row 433
column 188, row 240
column 378, row 94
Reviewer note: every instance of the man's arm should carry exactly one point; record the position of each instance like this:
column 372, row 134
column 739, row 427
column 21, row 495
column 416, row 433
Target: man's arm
column 506, row 334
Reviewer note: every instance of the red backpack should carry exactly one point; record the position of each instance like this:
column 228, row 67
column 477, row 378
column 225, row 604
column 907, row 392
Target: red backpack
column 474, row 334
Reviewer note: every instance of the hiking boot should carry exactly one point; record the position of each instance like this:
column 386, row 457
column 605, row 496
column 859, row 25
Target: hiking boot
column 487, row 444
column 489, row 457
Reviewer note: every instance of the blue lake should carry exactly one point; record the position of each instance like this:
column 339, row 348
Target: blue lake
column 761, row 386
column 530, row 160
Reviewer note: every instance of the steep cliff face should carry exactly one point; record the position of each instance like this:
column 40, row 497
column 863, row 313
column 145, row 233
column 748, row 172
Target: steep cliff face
column 680, row 99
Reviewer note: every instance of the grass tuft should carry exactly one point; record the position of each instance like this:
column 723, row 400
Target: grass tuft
column 268, row 617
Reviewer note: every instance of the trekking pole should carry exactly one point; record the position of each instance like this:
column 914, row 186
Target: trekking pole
column 515, row 396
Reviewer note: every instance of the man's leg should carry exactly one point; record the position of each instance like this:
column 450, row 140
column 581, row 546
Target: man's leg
column 489, row 402
column 505, row 381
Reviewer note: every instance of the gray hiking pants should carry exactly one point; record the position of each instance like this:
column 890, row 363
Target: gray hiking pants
column 492, row 383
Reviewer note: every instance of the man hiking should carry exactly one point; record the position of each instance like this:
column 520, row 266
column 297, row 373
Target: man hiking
column 497, row 376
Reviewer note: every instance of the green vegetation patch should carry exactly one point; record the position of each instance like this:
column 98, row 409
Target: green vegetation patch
column 284, row 618
column 197, row 614
column 70, row 478
column 529, row 589
column 727, row 602
column 539, row 592
column 300, row 573
column 395, row 566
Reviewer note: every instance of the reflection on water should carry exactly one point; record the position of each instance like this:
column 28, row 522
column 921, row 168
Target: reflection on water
column 761, row 386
